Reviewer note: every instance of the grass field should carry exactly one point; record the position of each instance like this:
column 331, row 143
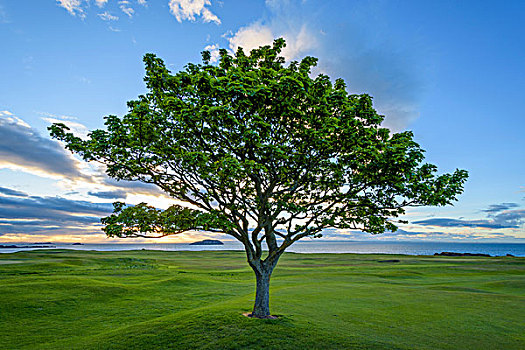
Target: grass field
column 185, row 300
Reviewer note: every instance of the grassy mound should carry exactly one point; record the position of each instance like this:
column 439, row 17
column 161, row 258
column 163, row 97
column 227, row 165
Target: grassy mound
column 58, row 299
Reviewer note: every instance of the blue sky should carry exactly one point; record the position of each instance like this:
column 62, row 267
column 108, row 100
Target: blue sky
column 450, row 71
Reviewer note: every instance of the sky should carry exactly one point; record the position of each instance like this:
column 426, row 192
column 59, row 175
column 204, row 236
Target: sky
column 450, row 71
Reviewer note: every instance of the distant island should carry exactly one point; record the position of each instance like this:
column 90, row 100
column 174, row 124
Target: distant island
column 78, row 243
column 208, row 242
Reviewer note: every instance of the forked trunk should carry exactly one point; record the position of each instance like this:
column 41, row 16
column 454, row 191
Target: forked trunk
column 263, row 271
column 261, row 309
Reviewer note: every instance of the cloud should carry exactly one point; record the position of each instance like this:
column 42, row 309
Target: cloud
column 513, row 218
column 47, row 215
column 74, row 7
column 23, row 217
column 298, row 40
column 495, row 208
column 117, row 194
column 46, row 205
column 506, row 219
column 181, row 9
column 214, row 51
column 251, row 37
column 23, row 147
column 189, row 9
column 77, row 8
column 106, row 16
column 130, row 187
column 61, row 117
column 286, row 20
column 11, row 192
column 446, row 222
column 416, row 235
column 126, row 8
column 101, row 3
column 76, row 128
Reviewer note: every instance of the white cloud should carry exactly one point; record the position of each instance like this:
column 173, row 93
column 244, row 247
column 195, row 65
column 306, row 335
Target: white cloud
column 75, row 127
column 106, row 16
column 61, row 117
column 297, row 42
column 278, row 5
column 116, row 30
column 101, row 3
column 188, row 9
column 251, row 37
column 74, row 7
column 257, row 34
column 214, row 51
column 126, row 8
column 10, row 118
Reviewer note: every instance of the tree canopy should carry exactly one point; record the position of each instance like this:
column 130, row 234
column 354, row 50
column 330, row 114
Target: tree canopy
column 262, row 151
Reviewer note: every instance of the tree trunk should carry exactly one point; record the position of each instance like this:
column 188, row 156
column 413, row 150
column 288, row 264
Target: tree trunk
column 261, row 309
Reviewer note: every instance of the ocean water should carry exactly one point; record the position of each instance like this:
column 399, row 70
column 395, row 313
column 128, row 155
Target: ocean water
column 317, row 246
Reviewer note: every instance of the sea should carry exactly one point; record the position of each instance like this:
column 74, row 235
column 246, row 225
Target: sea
column 313, row 246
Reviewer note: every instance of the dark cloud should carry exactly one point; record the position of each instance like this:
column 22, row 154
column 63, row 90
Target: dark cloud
column 513, row 218
column 412, row 233
column 48, row 215
column 445, row 222
column 117, row 194
column 55, row 204
column 507, row 219
column 441, row 234
column 11, row 192
column 404, row 235
column 135, row 187
column 23, row 146
column 495, row 208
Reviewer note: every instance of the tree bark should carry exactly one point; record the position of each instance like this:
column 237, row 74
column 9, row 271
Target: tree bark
column 261, row 309
column 263, row 271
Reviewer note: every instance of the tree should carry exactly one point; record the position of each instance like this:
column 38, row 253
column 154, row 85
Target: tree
column 260, row 151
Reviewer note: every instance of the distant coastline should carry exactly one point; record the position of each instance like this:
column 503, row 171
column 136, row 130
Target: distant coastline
column 309, row 246
column 32, row 246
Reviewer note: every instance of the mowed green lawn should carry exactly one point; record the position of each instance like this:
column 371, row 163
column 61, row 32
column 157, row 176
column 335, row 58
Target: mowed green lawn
column 189, row 300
